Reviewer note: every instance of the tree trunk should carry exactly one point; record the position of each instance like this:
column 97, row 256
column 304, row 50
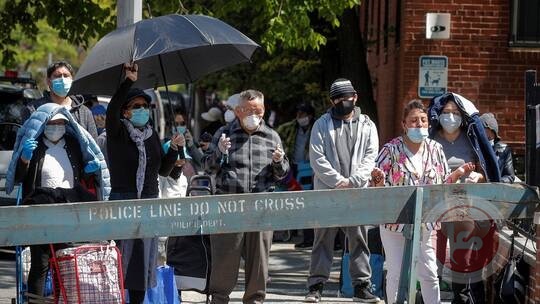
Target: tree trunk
column 344, row 56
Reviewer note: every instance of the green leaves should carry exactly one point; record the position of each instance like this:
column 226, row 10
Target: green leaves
column 287, row 24
column 290, row 23
column 292, row 34
column 78, row 22
column 295, row 36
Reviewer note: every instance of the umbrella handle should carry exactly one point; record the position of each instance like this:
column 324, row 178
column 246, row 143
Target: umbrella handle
column 181, row 154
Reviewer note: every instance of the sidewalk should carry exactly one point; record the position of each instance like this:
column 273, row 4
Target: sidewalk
column 288, row 272
column 7, row 280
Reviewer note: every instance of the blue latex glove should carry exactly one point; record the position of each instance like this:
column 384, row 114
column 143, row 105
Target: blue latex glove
column 28, row 148
column 92, row 167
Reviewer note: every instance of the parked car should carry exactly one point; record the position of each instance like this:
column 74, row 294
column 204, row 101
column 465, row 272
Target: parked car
column 15, row 92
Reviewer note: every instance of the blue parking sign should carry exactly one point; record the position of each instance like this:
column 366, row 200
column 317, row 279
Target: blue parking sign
column 432, row 76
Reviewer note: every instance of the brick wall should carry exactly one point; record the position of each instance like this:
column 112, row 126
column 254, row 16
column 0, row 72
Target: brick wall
column 482, row 66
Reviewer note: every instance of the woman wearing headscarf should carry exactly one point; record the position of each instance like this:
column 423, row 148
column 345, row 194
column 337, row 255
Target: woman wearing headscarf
column 136, row 158
column 413, row 160
column 456, row 125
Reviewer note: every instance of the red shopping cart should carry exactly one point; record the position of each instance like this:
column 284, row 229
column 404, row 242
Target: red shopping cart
column 89, row 274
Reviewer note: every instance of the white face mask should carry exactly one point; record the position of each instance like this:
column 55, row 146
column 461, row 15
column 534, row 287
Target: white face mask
column 492, row 142
column 303, row 122
column 54, row 132
column 229, row 116
column 251, row 122
column 450, row 122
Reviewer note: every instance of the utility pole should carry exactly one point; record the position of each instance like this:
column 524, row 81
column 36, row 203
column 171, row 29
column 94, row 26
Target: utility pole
column 128, row 12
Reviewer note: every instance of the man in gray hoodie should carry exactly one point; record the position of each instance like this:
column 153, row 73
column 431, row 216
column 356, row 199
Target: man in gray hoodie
column 343, row 146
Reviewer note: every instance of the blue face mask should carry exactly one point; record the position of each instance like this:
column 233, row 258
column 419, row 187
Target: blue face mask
column 181, row 129
column 139, row 117
column 417, row 135
column 60, row 86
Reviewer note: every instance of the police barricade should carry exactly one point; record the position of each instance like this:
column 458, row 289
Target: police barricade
column 126, row 219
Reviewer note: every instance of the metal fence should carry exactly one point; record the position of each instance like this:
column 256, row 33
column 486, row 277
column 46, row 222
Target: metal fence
column 217, row 214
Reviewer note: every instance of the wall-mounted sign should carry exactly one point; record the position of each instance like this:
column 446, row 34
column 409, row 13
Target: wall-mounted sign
column 437, row 26
column 432, row 76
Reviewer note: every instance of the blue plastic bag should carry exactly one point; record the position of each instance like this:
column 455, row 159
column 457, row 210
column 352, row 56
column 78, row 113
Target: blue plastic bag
column 376, row 262
column 165, row 291
column 346, row 287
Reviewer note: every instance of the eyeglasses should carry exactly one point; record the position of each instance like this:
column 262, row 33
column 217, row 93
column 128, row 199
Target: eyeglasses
column 251, row 112
column 138, row 106
column 182, row 123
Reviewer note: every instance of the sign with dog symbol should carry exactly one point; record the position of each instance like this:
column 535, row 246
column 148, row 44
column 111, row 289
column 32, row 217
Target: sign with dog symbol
column 432, row 76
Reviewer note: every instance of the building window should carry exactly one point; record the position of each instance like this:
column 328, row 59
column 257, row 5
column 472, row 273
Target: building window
column 378, row 27
column 366, row 20
column 398, row 23
column 525, row 24
column 385, row 25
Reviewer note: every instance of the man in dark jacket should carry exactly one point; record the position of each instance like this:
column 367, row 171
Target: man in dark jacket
column 59, row 79
column 502, row 150
column 247, row 157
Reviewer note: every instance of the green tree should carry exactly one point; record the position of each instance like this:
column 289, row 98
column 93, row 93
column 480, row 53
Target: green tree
column 32, row 56
column 305, row 43
column 79, row 22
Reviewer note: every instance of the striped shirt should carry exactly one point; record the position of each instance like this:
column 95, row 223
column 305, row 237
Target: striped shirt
column 249, row 167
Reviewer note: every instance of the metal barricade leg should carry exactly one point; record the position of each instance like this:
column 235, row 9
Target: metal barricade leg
column 407, row 281
column 18, row 261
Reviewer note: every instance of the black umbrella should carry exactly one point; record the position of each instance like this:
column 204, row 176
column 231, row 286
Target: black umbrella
column 168, row 49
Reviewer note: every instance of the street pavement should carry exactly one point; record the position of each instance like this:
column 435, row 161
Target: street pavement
column 288, row 273
column 7, row 279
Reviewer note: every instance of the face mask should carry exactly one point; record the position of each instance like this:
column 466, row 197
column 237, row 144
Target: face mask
column 61, row 86
column 492, row 142
column 303, row 122
column 251, row 122
column 54, row 132
column 344, row 108
column 181, row 129
column 417, row 135
column 229, row 116
column 450, row 122
column 139, row 117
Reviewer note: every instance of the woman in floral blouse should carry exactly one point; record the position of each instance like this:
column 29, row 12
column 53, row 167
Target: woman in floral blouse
column 413, row 160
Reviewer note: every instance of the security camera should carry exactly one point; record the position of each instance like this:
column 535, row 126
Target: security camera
column 438, row 28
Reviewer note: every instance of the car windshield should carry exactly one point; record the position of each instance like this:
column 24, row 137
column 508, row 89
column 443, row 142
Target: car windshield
column 13, row 100
column 12, row 105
